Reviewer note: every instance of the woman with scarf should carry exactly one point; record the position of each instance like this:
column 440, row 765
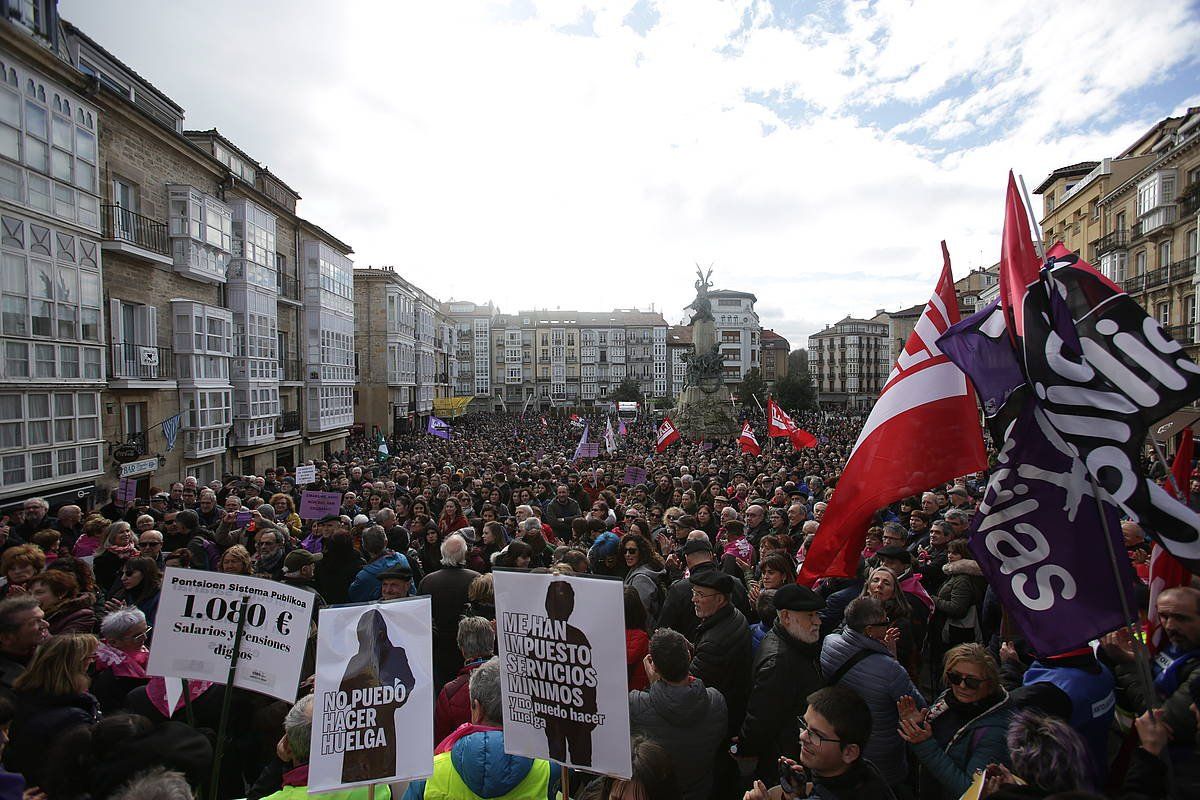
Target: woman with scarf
column 285, row 514
column 965, row 729
column 883, row 586
column 119, row 545
column 121, row 658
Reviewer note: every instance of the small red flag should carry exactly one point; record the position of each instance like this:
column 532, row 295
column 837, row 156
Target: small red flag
column 748, row 441
column 668, row 434
column 1165, row 570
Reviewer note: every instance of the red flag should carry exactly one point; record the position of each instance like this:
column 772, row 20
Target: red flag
column 668, row 434
column 778, row 421
column 1019, row 262
column 1165, row 570
column 748, row 441
column 574, row 418
column 924, row 430
column 801, row 439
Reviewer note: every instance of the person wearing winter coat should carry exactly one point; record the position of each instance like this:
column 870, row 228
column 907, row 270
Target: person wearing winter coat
column 52, row 698
column 477, row 643
column 67, row 611
column 380, row 559
column 643, row 570
column 677, row 711
column 965, row 729
column 955, row 618
column 471, row 761
column 861, row 658
column 721, row 646
column 787, row 669
column 448, row 589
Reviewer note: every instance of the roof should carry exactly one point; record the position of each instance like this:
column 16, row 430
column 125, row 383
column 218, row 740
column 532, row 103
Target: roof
column 834, row 329
column 328, row 237
column 911, row 311
column 1080, row 169
column 731, row 293
column 74, row 31
column 679, row 335
column 618, row 316
column 773, row 339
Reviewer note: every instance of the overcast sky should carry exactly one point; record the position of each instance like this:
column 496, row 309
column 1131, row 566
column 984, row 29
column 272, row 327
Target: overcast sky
column 586, row 155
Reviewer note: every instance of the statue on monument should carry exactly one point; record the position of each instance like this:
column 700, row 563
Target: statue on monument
column 702, row 305
column 705, row 408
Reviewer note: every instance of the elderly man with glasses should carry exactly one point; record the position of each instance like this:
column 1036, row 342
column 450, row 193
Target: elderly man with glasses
column 150, row 545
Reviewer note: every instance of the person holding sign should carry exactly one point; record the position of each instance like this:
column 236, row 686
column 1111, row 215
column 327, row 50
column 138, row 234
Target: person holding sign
column 293, row 749
column 472, row 762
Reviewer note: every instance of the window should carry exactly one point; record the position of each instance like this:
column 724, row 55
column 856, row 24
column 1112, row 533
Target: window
column 201, row 229
column 1163, row 314
column 57, row 436
column 1164, row 253
column 1139, row 261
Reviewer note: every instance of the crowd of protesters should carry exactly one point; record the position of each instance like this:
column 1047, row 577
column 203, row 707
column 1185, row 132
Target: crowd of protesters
column 902, row 681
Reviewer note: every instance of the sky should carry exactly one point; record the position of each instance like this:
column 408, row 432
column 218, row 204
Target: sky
column 588, row 155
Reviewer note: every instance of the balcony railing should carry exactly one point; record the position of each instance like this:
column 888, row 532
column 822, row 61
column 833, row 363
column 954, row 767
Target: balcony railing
column 1189, row 199
column 1184, row 334
column 291, row 369
column 130, row 361
column 122, row 225
column 1114, row 240
column 1158, row 219
column 289, row 287
column 288, row 421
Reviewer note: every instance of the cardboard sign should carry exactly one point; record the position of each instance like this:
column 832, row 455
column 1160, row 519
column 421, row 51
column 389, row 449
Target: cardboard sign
column 634, row 476
column 314, row 505
column 197, row 619
column 127, row 489
column 565, row 685
column 373, row 697
column 306, row 475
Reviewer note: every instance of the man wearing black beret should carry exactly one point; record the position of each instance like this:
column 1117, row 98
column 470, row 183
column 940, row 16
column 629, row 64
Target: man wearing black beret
column 787, row 669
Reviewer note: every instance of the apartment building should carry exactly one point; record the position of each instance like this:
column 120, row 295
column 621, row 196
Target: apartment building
column 542, row 359
column 404, row 352
column 850, row 361
column 679, row 345
column 774, row 357
column 738, row 332
column 52, row 330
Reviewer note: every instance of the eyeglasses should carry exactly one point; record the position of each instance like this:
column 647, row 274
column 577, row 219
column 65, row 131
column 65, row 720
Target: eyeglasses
column 631, row 551
column 970, row 681
column 703, row 595
column 150, row 544
column 816, row 738
column 141, row 637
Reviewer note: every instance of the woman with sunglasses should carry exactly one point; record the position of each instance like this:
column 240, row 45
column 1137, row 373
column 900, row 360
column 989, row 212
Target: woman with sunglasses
column 966, row 727
column 141, row 585
column 643, row 571
column 121, row 658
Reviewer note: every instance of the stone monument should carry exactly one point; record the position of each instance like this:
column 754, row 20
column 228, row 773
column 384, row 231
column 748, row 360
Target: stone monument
column 705, row 409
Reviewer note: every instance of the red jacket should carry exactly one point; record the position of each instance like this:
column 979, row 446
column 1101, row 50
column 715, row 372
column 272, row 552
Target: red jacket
column 453, row 706
column 637, row 645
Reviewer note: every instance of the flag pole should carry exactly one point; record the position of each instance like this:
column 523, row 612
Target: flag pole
column 1033, row 223
column 227, row 700
column 1141, row 657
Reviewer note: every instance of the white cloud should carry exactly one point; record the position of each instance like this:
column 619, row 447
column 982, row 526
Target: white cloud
column 489, row 155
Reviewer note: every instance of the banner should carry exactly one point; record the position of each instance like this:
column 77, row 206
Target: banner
column 565, row 686
column 634, row 476
column 374, row 685
column 127, row 490
column 314, row 505
column 610, row 438
column 438, row 427
column 306, row 474
column 583, row 442
column 170, row 429
column 668, row 434
column 197, row 619
column 748, row 441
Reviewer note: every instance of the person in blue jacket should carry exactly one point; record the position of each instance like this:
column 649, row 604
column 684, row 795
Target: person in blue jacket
column 380, row 559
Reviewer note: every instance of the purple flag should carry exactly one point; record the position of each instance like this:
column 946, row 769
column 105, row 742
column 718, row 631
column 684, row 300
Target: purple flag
column 621, row 427
column 438, row 427
column 1037, row 536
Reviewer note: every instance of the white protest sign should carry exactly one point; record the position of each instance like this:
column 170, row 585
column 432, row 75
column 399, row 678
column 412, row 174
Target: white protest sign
column 306, row 474
column 374, row 685
column 565, row 686
column 197, row 619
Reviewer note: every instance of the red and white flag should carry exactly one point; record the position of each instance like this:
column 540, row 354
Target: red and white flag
column 748, row 441
column 780, row 424
column 1165, row 570
column 668, row 434
column 544, row 423
column 924, row 430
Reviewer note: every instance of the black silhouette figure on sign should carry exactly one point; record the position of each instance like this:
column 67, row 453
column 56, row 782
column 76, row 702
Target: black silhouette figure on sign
column 567, row 707
column 378, row 663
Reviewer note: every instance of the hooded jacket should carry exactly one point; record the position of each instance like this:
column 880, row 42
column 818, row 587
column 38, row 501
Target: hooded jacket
column 689, row 722
column 644, row 578
column 477, row 758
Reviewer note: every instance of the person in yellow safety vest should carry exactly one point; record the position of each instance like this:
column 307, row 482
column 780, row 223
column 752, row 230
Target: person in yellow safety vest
column 293, row 749
column 470, row 764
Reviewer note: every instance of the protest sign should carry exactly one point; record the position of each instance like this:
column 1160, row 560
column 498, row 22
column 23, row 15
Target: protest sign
column 197, row 618
column 374, row 684
column 306, row 474
column 314, row 505
column 565, row 686
column 588, row 450
column 126, row 489
column 634, row 476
